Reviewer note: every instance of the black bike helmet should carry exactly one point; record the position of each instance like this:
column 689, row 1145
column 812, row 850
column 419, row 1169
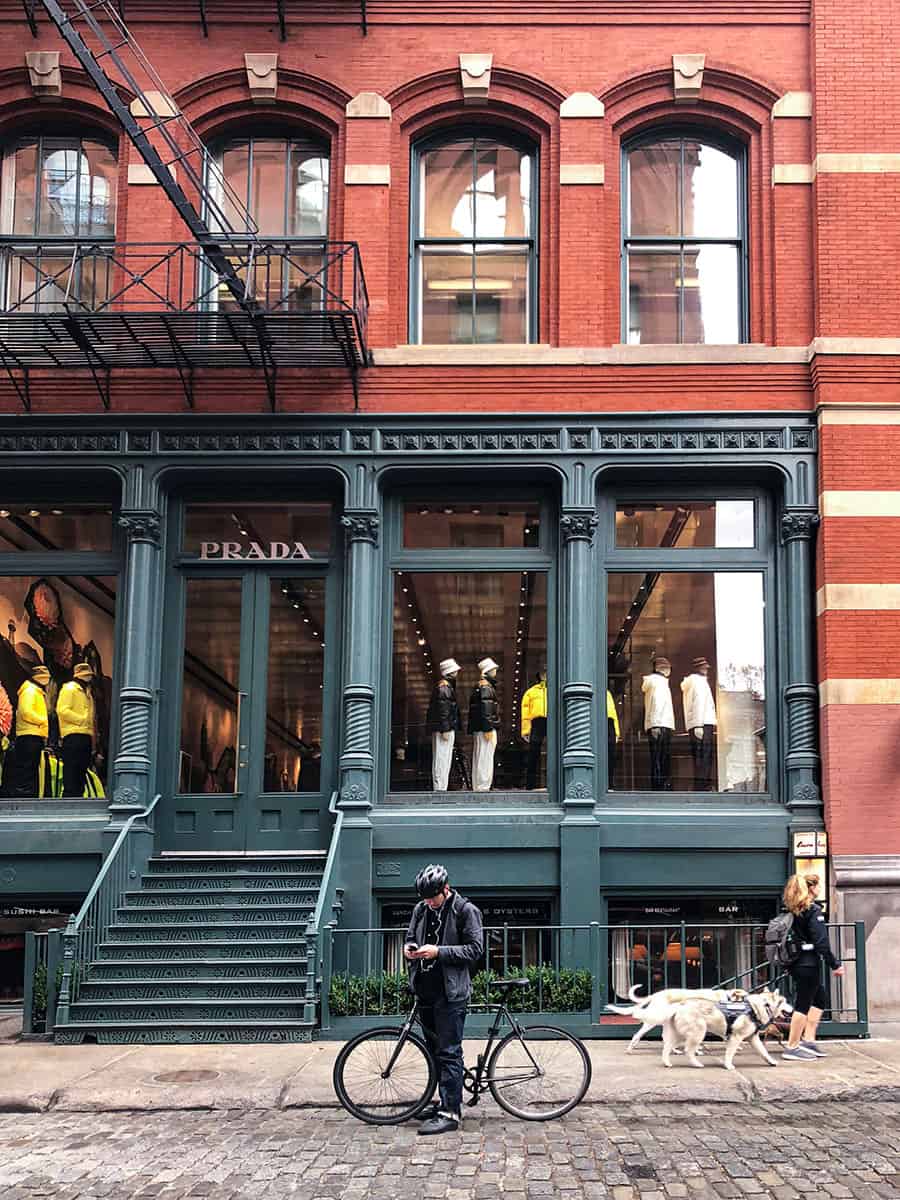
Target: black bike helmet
column 431, row 881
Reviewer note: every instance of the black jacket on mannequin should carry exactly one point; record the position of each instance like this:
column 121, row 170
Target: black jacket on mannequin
column 443, row 708
column 484, row 707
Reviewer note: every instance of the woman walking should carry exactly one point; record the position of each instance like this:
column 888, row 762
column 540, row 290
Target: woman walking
column 810, row 999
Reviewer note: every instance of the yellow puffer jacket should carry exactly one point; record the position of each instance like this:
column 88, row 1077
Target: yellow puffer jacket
column 31, row 711
column 611, row 714
column 534, row 704
column 75, row 710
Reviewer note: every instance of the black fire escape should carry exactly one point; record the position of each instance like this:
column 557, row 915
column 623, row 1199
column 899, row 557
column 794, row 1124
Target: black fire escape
column 226, row 298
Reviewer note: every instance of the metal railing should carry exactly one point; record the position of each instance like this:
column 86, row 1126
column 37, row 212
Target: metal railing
column 319, row 926
column 90, row 925
column 43, row 959
column 579, row 969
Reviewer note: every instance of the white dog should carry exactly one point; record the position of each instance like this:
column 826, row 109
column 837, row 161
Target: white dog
column 653, row 1010
column 736, row 1023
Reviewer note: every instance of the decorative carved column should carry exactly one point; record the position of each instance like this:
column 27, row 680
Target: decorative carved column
column 358, row 706
column 801, row 698
column 131, row 774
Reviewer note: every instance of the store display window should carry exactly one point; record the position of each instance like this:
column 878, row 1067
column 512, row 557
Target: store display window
column 253, row 531
column 516, row 934
column 453, row 525
column 686, row 699
column 18, row 917
column 36, row 527
column 470, row 700
column 689, row 525
column 57, row 639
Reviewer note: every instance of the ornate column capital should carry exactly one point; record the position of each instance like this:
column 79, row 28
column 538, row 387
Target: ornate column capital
column 798, row 524
column 578, row 524
column 141, row 525
column 361, row 526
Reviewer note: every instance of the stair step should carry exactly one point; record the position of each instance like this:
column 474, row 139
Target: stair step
column 185, row 1032
column 85, row 1012
column 169, row 990
column 306, row 896
column 202, row 969
column 221, row 880
column 185, row 931
column 188, row 914
column 216, row 864
column 193, row 949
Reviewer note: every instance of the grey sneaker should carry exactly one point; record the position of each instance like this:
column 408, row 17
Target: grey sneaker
column 798, row 1054
column 814, row 1049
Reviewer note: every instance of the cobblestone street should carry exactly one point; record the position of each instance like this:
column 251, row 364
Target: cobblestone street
column 627, row 1152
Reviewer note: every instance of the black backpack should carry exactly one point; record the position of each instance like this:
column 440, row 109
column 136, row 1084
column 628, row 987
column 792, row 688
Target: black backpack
column 782, row 947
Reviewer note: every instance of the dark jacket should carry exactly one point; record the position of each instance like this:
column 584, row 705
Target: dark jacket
column 461, row 946
column 443, row 708
column 810, row 929
column 484, row 707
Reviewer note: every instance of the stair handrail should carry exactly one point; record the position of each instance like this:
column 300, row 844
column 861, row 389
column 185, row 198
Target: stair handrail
column 89, row 926
column 316, row 933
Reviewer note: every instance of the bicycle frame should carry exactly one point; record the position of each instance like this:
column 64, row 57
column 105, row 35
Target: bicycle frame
column 474, row 1078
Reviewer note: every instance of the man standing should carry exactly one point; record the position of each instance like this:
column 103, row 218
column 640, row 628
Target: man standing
column 444, row 939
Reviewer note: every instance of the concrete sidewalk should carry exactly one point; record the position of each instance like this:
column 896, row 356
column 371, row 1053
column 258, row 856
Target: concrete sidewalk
column 37, row 1077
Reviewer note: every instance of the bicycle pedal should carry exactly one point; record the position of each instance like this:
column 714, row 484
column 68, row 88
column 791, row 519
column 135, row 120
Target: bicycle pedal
column 471, row 1103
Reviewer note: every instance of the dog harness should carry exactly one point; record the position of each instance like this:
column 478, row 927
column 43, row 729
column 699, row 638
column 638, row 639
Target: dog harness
column 732, row 1009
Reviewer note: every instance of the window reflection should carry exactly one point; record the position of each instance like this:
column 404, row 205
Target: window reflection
column 49, row 526
column 282, row 182
column 59, row 187
column 437, row 524
column 295, row 682
column 692, row 525
column 686, row 671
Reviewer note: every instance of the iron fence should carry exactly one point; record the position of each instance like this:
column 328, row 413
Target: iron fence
column 43, row 969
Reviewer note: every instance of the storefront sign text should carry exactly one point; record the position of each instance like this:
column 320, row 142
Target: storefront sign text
column 254, row 552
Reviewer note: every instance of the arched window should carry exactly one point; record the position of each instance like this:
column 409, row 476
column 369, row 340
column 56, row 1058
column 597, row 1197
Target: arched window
column 684, row 240
column 474, row 241
column 282, row 181
column 59, row 187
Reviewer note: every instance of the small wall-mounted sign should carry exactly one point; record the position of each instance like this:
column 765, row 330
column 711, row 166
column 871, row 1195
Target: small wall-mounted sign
column 253, row 551
column 387, row 868
column 811, row 845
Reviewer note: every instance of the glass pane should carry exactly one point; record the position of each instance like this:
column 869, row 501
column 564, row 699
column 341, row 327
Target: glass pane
column 307, row 277
column 502, row 186
column 42, row 526
column 63, row 168
column 710, row 192
column 711, row 295
column 447, row 296
column 691, row 525
column 24, row 219
column 501, row 296
column 446, row 191
column 294, row 689
column 97, row 206
column 309, row 198
column 469, row 617
column 268, row 187
column 653, row 175
column 56, row 667
column 235, row 170
column 257, row 532
column 449, row 524
column 211, row 682
column 653, row 279
column 38, row 282
column 686, row 682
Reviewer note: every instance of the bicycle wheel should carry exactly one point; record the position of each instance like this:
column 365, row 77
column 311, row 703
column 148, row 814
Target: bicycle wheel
column 539, row 1075
column 368, row 1093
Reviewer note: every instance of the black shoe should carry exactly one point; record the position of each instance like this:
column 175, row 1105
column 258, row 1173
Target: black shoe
column 442, row 1123
column 429, row 1112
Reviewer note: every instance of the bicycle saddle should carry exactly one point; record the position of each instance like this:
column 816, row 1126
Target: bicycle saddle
column 510, row 983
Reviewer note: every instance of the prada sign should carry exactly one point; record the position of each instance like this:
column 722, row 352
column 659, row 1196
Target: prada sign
column 253, row 551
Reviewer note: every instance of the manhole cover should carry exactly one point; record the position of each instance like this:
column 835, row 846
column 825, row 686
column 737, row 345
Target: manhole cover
column 186, row 1077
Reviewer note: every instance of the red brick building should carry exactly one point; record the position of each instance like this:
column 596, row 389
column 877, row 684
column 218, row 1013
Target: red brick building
column 629, row 268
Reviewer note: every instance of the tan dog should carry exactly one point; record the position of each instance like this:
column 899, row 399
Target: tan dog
column 653, row 1010
column 690, row 1021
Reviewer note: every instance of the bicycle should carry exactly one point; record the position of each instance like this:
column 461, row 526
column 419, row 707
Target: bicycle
column 535, row 1072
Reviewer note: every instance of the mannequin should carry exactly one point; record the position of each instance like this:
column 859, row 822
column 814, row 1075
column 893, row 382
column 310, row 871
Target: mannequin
column 75, row 712
column 612, row 740
column 32, row 728
column 700, row 722
column 484, row 721
column 443, row 722
column 659, row 722
column 534, row 726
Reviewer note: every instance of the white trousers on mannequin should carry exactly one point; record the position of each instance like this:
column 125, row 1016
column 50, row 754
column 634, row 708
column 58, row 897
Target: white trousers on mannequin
column 483, row 761
column 441, row 754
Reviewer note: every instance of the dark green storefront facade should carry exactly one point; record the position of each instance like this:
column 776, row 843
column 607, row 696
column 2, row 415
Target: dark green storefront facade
column 588, row 841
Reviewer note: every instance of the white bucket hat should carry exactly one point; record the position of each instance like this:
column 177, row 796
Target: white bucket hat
column 448, row 666
column 487, row 664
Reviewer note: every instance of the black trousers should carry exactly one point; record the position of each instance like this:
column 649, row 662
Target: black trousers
column 612, row 751
column 535, row 743
column 443, row 1022
column 25, row 766
column 76, row 758
column 702, row 754
column 660, row 758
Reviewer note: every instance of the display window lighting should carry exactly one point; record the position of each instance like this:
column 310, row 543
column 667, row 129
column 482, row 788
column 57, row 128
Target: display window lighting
column 4, row 512
column 57, row 512
column 34, row 512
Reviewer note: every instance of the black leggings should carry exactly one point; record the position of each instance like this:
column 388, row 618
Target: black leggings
column 810, row 993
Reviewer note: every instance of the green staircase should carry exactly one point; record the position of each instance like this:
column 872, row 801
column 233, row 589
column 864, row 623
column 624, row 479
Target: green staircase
column 210, row 949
